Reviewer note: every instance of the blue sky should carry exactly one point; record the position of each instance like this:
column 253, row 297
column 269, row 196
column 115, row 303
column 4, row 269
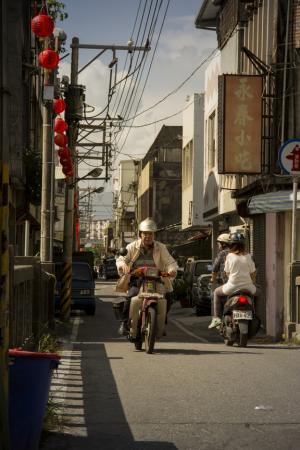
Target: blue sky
column 181, row 48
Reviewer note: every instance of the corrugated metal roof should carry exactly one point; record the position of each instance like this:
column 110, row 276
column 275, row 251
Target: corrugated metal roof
column 272, row 202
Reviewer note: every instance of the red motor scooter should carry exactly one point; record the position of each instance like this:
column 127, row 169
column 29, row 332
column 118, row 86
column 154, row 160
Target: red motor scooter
column 148, row 309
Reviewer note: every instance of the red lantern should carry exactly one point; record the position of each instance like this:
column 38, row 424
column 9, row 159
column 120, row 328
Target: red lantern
column 68, row 171
column 61, row 152
column 64, row 152
column 61, row 140
column 59, row 105
column 60, row 125
column 42, row 25
column 48, row 59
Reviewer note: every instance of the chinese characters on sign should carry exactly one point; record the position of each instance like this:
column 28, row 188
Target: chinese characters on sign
column 289, row 157
column 241, row 121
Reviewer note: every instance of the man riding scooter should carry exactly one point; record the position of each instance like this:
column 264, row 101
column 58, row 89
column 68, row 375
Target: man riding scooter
column 145, row 251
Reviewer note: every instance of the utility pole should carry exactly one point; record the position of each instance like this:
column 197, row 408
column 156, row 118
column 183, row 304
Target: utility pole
column 47, row 162
column 66, row 275
column 73, row 115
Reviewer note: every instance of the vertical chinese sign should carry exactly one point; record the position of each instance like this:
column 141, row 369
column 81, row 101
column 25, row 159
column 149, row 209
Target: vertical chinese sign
column 240, row 124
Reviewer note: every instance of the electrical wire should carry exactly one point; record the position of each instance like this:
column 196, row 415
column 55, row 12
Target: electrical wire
column 157, row 121
column 150, row 36
column 131, row 38
column 137, row 64
column 128, row 75
column 174, row 91
column 149, row 69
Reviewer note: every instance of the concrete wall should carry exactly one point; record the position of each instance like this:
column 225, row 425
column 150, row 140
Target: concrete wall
column 287, row 262
column 193, row 133
column 211, row 178
column 144, row 180
column 126, row 177
column 275, row 224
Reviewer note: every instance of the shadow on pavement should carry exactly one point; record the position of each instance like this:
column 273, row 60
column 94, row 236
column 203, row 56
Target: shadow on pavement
column 273, row 347
column 85, row 389
column 200, row 352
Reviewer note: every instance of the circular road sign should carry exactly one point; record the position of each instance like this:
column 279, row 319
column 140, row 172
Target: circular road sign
column 289, row 157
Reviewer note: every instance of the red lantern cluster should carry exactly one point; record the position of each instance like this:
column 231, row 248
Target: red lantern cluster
column 42, row 25
column 65, row 159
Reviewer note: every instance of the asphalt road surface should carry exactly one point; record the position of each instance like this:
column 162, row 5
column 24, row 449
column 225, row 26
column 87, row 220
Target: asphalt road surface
column 193, row 393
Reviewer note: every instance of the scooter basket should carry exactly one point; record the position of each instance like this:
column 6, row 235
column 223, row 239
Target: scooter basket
column 118, row 310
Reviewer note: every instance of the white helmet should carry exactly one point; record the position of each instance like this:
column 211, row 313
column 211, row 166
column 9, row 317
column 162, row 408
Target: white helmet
column 224, row 237
column 148, row 225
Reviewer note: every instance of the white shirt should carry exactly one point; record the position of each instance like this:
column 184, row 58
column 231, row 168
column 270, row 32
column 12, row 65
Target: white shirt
column 239, row 268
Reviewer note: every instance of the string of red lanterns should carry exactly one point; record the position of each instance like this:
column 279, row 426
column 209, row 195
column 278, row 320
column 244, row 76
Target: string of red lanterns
column 42, row 25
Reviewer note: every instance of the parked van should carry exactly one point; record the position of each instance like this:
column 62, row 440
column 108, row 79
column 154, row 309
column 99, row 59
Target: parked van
column 83, row 287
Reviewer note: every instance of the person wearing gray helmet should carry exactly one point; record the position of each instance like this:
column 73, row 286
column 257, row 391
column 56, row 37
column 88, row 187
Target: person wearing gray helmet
column 241, row 273
column 218, row 266
column 145, row 251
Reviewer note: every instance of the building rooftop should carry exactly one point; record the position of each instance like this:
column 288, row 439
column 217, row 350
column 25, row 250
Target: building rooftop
column 207, row 16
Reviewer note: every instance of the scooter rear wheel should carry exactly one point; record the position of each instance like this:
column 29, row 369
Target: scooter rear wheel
column 150, row 330
column 243, row 340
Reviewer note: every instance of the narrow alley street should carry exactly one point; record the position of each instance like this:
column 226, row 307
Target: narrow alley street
column 192, row 393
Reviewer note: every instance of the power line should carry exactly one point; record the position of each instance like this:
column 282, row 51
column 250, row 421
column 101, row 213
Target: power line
column 178, row 87
column 157, row 121
column 149, row 69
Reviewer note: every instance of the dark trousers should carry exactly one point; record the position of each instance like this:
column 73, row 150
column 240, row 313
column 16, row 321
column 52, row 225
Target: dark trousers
column 132, row 292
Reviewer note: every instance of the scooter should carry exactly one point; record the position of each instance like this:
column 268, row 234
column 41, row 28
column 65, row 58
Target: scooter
column 239, row 322
column 148, row 309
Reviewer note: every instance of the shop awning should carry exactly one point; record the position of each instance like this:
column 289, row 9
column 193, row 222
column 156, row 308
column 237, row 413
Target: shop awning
column 272, row 202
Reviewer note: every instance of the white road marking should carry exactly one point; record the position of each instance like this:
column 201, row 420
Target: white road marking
column 75, row 329
column 190, row 333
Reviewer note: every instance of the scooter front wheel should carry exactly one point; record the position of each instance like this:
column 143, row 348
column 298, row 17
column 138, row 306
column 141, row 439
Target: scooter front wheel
column 150, row 331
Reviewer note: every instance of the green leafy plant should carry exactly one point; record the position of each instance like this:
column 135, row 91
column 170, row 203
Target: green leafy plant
column 53, row 419
column 56, row 9
column 48, row 343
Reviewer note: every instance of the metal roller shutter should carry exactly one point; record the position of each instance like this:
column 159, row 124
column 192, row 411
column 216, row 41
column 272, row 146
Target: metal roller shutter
column 258, row 250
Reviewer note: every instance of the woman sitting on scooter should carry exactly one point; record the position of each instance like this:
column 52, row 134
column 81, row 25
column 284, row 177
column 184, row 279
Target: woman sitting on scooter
column 241, row 272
